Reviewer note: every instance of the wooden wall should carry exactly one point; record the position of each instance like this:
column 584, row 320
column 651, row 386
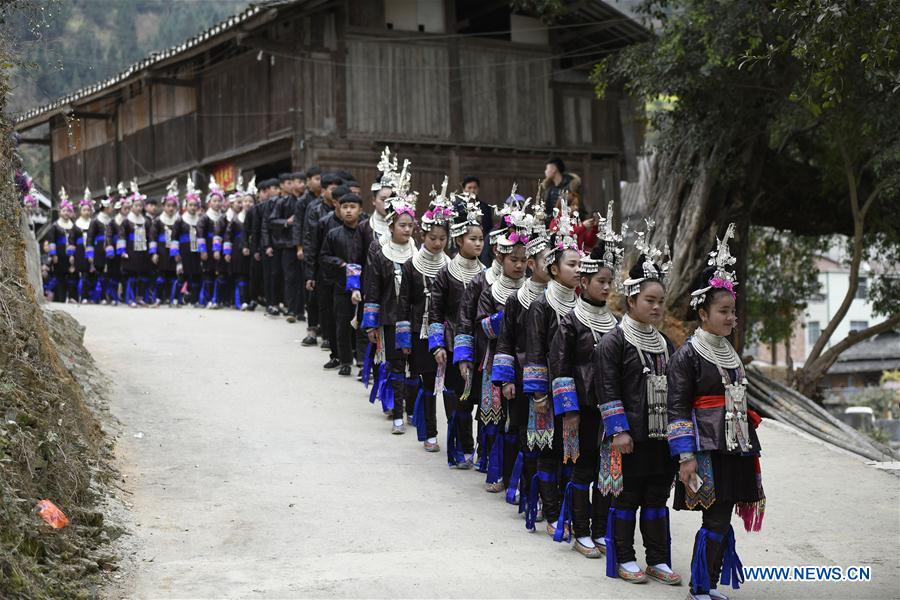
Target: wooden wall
column 399, row 89
column 506, row 96
column 234, row 98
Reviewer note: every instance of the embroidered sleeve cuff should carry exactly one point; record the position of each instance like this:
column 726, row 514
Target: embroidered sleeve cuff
column 436, row 336
column 217, row 243
column 463, row 348
column 201, row 245
column 110, row 251
column 120, row 247
column 534, row 379
column 681, row 436
column 70, row 250
column 370, row 315
column 89, row 251
column 174, row 250
column 100, row 240
column 564, row 397
column 354, row 272
column 503, row 369
column 404, row 334
column 152, row 247
column 51, row 250
column 227, row 248
column 491, row 325
column 614, row 419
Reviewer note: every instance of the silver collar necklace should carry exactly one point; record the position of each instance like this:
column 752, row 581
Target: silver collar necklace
column 464, row 269
column 398, row 253
column 528, row 292
column 503, row 286
column 642, row 336
column 560, row 298
column 715, row 349
column 596, row 318
column 427, row 263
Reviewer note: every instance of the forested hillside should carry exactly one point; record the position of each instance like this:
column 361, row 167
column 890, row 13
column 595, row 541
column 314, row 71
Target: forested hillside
column 83, row 41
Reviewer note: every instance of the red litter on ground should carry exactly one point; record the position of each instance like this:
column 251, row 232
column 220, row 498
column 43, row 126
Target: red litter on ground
column 50, row 513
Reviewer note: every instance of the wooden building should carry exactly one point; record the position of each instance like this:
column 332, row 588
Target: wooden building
column 458, row 86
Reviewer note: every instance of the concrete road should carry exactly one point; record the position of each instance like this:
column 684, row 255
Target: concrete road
column 258, row 475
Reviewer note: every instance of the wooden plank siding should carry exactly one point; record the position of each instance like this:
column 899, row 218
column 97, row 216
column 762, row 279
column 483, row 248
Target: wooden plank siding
column 400, row 89
column 175, row 142
column 235, row 99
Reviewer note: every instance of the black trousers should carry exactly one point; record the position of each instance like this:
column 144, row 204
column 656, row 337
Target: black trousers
column 324, row 291
column 274, row 279
column 455, row 385
column 301, row 287
column 344, row 310
column 430, row 404
column 286, row 277
column 590, row 508
column 257, row 288
column 549, row 468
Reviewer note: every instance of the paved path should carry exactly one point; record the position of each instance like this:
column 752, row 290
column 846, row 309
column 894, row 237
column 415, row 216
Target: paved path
column 259, row 475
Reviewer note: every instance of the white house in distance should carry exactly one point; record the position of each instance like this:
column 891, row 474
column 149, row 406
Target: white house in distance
column 834, row 280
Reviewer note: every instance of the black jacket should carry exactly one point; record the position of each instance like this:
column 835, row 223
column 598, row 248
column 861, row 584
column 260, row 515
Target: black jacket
column 300, row 206
column 571, row 355
column 619, row 378
column 276, row 232
column 312, row 248
column 342, row 246
column 689, row 377
column 380, row 284
column 446, row 297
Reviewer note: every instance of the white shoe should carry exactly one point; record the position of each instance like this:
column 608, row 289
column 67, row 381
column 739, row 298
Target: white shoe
column 103, row 302
column 84, row 301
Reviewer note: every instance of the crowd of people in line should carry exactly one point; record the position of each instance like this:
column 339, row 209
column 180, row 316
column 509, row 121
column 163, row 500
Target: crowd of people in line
column 579, row 417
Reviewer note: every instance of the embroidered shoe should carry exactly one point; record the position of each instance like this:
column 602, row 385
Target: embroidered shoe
column 291, row 318
column 429, row 447
column 662, row 576
column 398, row 429
column 494, row 488
column 409, row 420
column 464, row 465
column 600, row 545
column 551, row 528
column 628, row 576
column 717, row 595
column 587, row 552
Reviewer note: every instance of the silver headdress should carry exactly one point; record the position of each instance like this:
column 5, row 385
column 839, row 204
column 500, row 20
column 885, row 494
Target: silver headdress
column 238, row 192
column 251, row 187
column 468, row 214
column 86, row 199
column 539, row 239
column 518, row 223
column 388, row 169
column 135, row 192
column 440, row 211
column 214, row 189
column 563, row 237
column 124, row 198
column 171, row 192
column 648, row 265
column 722, row 277
column 107, row 199
column 610, row 252
column 190, row 192
column 403, row 201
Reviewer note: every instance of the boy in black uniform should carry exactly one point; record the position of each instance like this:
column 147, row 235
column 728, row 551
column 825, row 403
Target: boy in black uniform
column 343, row 256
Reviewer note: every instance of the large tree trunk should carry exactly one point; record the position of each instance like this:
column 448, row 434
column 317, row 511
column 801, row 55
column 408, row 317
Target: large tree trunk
column 691, row 210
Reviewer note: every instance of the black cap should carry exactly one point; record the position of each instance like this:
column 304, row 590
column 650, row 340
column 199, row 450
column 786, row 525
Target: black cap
column 298, row 175
column 345, row 175
column 352, row 183
column 331, row 179
column 469, row 179
column 350, row 197
column 268, row 183
column 285, row 176
column 151, row 200
column 313, row 171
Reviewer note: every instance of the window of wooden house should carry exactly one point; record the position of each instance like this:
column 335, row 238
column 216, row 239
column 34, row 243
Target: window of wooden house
column 415, row 15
